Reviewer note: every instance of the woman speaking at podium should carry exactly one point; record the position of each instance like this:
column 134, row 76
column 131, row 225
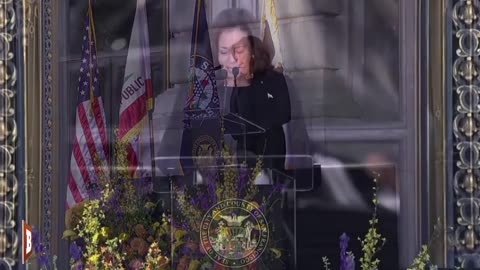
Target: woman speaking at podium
column 259, row 92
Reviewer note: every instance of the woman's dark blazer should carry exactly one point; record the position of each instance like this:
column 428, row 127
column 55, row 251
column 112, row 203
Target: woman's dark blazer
column 269, row 107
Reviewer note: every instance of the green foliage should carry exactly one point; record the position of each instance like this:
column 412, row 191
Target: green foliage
column 326, row 263
column 373, row 241
column 422, row 260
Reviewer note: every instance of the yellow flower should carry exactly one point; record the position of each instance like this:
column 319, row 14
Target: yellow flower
column 95, row 238
column 179, row 234
column 194, row 264
column 124, row 236
column 69, row 234
column 150, row 205
column 277, row 252
column 94, row 258
column 104, row 231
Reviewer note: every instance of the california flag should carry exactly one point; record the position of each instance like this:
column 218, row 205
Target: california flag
column 137, row 98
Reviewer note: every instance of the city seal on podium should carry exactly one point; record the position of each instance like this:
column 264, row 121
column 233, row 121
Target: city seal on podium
column 234, row 233
column 205, row 151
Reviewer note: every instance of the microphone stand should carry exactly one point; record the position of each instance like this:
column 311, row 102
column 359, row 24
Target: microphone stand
column 236, row 71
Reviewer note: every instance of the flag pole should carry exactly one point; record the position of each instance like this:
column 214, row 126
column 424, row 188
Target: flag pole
column 148, row 87
column 152, row 144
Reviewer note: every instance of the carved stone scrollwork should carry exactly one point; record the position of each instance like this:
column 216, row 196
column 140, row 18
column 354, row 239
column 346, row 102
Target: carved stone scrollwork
column 9, row 240
column 47, row 122
column 466, row 131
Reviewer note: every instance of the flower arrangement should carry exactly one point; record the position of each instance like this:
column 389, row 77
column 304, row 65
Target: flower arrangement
column 194, row 202
column 372, row 244
column 43, row 259
column 123, row 227
column 120, row 227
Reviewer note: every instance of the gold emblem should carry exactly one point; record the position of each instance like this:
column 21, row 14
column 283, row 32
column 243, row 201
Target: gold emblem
column 234, row 233
column 205, row 152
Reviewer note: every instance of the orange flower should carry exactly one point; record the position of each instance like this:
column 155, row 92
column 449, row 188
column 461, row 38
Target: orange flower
column 136, row 264
column 202, row 250
column 252, row 266
column 219, row 267
column 192, row 245
column 154, row 249
column 162, row 261
column 128, row 249
column 183, row 263
column 140, row 246
column 140, row 231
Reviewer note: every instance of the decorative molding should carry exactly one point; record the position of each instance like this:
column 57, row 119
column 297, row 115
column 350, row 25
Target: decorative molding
column 9, row 239
column 465, row 108
column 47, row 124
column 434, row 129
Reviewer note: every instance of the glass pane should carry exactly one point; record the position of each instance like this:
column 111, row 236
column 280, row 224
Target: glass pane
column 313, row 93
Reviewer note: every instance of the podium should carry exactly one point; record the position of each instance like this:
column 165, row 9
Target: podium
column 234, row 221
column 213, row 219
column 169, row 131
column 226, row 215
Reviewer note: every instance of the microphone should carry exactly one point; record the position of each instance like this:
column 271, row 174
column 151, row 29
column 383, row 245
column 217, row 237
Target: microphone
column 216, row 68
column 235, row 72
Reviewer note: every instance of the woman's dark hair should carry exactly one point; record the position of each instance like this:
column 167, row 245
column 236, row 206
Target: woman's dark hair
column 234, row 18
column 231, row 18
column 261, row 57
column 241, row 18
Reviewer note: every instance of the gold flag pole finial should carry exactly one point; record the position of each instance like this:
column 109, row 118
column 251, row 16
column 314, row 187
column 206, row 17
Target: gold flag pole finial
column 91, row 37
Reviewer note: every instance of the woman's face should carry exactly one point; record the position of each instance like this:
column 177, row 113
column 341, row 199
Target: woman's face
column 234, row 51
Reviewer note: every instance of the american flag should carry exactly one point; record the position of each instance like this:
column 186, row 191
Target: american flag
column 90, row 143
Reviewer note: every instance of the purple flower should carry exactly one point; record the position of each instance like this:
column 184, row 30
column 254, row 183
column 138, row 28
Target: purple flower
column 212, row 188
column 180, row 225
column 204, row 204
column 94, row 190
column 349, row 263
column 347, row 260
column 144, row 185
column 79, row 266
column 242, row 180
column 136, row 264
column 39, row 248
column 193, row 201
column 80, row 242
column 344, row 242
column 43, row 260
column 35, row 237
column 75, row 251
column 185, row 250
